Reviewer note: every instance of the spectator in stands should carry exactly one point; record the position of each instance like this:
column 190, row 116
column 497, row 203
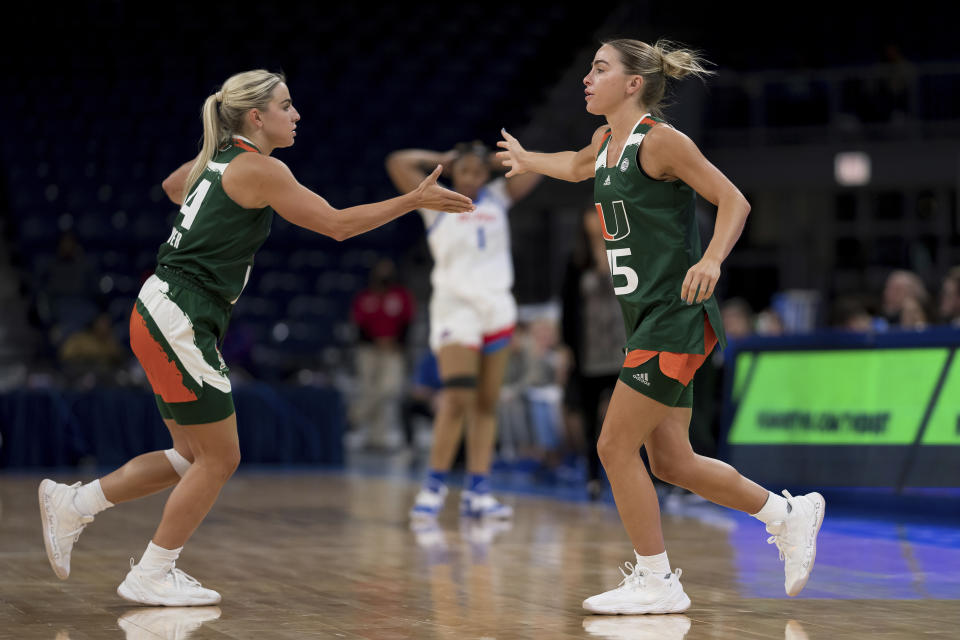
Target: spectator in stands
column 69, row 289
column 737, row 318
column 382, row 313
column 850, row 314
column 914, row 313
column 901, row 284
column 769, row 323
column 94, row 350
column 950, row 298
column 593, row 332
column 546, row 369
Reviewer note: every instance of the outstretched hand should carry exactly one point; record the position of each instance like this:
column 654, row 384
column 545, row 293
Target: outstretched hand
column 431, row 195
column 700, row 281
column 512, row 157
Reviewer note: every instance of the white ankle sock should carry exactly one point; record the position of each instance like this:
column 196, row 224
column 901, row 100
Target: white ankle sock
column 656, row 564
column 774, row 510
column 90, row 500
column 158, row 559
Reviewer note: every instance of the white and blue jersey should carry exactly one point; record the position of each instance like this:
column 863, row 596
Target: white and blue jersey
column 472, row 272
column 472, row 251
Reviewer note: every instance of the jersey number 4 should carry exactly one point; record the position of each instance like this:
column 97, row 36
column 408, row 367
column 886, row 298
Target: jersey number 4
column 191, row 205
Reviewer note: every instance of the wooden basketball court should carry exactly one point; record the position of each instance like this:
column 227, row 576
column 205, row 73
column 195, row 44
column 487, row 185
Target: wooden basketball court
column 314, row 555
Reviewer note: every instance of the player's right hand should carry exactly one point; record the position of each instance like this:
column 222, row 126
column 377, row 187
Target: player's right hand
column 512, row 158
column 430, row 195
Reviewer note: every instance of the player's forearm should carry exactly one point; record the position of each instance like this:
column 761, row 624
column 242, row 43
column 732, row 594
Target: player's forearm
column 175, row 183
column 732, row 214
column 353, row 221
column 562, row 165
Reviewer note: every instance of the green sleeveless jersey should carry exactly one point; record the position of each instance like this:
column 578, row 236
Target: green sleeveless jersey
column 214, row 239
column 652, row 239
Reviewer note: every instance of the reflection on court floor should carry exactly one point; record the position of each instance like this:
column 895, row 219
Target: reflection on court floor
column 333, row 555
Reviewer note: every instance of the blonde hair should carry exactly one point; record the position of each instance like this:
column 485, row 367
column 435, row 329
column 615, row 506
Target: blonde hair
column 223, row 112
column 656, row 63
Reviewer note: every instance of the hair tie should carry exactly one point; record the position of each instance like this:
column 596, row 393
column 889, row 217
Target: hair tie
column 219, row 96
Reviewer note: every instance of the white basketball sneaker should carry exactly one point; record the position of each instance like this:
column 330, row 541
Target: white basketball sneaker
column 169, row 623
column 796, row 538
column 62, row 523
column 428, row 534
column 172, row 588
column 483, row 505
column 428, row 503
column 794, row 631
column 641, row 591
column 668, row 627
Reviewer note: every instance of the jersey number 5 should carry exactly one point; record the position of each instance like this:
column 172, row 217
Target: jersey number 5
column 622, row 270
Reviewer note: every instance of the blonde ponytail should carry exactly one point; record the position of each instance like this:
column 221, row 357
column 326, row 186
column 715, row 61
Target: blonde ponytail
column 679, row 63
column 223, row 113
column 212, row 136
column 656, row 63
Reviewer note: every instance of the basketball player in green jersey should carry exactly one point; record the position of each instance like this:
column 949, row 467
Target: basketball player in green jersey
column 228, row 195
column 646, row 177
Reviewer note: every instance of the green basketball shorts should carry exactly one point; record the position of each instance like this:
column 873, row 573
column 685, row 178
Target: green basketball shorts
column 650, row 380
column 174, row 329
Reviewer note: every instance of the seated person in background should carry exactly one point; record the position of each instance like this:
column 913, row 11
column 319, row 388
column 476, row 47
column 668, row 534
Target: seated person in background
column 92, row 350
column 950, row 298
column 382, row 313
column 849, row 314
column 738, row 318
column 900, row 284
column 914, row 314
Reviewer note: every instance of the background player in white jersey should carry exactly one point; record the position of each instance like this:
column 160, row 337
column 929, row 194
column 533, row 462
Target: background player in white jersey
column 228, row 193
column 472, row 315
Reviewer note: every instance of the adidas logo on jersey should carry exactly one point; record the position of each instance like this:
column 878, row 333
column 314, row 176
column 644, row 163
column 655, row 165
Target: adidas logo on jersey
column 643, row 378
column 606, row 182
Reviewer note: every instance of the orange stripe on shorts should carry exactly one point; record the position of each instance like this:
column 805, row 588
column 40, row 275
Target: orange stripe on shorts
column 679, row 366
column 162, row 372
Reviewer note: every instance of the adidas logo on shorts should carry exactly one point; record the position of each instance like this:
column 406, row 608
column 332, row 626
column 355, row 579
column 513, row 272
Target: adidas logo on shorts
column 643, row 378
column 606, row 182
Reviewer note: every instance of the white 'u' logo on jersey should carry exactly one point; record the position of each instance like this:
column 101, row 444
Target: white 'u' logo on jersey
column 621, row 225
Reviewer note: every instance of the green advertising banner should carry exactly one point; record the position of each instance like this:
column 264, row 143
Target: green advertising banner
column 944, row 425
column 863, row 396
column 740, row 372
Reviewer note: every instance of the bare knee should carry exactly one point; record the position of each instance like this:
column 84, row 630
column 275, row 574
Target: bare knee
column 458, row 401
column 672, row 466
column 222, row 462
column 614, row 450
column 486, row 404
